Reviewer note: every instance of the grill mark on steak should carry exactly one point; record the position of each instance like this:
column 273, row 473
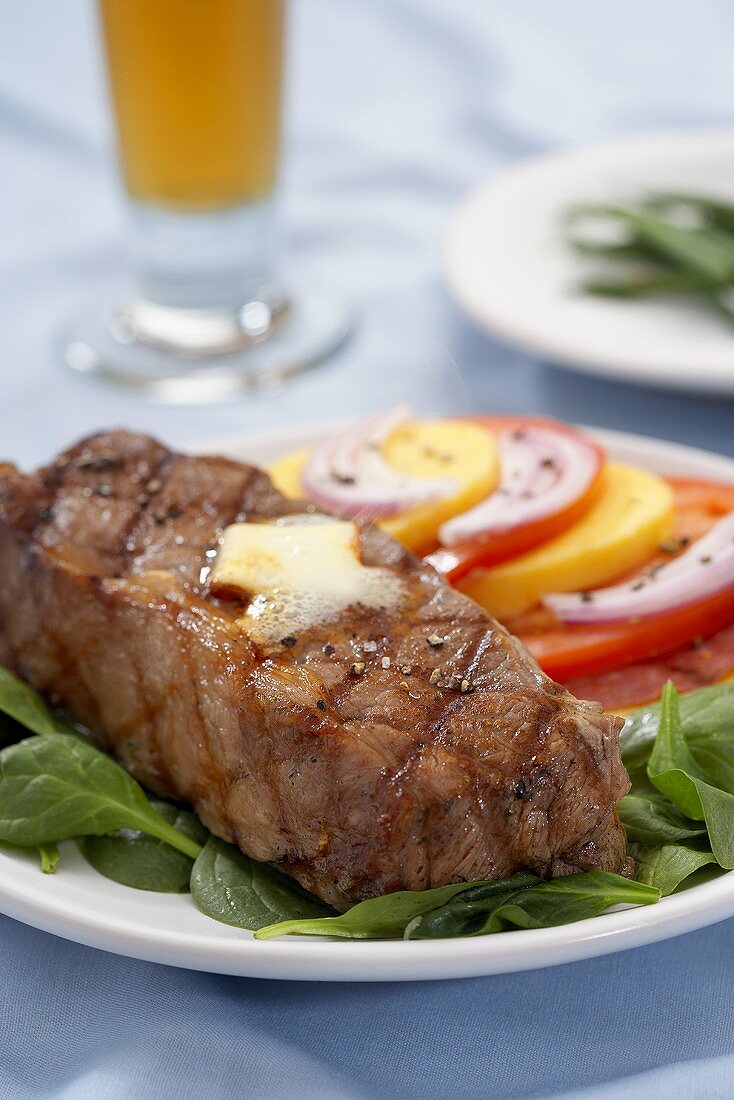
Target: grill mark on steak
column 95, row 487
column 146, row 500
column 355, row 784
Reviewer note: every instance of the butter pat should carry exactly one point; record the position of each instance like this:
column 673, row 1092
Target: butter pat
column 296, row 572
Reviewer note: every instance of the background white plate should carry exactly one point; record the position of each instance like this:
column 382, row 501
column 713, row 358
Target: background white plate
column 508, row 266
column 81, row 905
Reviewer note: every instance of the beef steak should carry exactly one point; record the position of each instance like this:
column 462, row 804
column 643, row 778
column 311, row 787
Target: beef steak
column 440, row 760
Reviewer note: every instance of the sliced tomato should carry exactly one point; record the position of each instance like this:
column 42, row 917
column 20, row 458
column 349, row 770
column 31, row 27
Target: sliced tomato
column 699, row 504
column 693, row 666
column 566, row 652
column 459, row 560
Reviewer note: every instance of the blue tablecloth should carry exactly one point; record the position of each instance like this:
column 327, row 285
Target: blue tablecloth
column 396, row 108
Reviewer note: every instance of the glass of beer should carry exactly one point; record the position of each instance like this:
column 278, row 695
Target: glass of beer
column 196, row 89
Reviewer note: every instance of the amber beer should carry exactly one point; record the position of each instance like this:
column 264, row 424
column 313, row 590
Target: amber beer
column 196, row 88
column 204, row 310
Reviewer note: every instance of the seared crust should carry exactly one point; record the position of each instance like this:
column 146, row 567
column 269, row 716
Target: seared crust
column 357, row 784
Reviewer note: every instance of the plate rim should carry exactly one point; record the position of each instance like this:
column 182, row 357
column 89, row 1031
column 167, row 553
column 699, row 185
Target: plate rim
column 237, row 953
column 465, row 221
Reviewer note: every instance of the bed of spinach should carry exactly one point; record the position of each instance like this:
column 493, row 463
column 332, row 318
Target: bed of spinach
column 475, row 909
column 56, row 785
column 680, row 813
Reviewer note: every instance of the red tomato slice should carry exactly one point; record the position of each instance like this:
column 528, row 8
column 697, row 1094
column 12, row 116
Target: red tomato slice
column 693, row 666
column 459, row 560
column 699, row 504
column 567, row 652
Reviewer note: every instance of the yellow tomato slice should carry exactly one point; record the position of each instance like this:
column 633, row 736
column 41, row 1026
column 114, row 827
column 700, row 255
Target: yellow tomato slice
column 453, row 449
column 621, row 531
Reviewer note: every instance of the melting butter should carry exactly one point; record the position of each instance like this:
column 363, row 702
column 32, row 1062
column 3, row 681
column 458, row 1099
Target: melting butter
column 299, row 571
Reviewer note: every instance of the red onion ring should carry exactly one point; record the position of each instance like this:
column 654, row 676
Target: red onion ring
column 543, row 471
column 346, row 474
column 702, row 571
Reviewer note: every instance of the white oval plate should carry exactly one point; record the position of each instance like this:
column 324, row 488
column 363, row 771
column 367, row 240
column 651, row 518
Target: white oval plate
column 509, row 268
column 81, row 905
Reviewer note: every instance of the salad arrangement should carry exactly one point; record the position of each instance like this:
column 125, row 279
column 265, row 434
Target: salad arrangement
column 614, row 578
column 55, row 785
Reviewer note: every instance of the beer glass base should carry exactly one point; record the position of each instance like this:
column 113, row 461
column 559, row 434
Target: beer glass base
column 193, row 356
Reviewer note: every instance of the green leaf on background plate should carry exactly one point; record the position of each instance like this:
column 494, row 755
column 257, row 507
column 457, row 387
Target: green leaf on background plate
column 714, row 210
column 700, row 249
column 651, row 282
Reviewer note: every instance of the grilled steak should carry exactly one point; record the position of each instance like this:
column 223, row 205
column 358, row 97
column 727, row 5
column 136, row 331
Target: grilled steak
column 448, row 756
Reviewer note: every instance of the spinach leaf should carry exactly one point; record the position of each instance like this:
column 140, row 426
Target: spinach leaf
column 638, row 735
column 522, row 901
column 136, row 859
column 49, row 855
column 53, row 788
column 233, row 889
column 671, row 751
column 707, row 716
column 711, row 735
column 465, row 913
column 385, row 917
column 24, row 705
column 650, row 819
column 543, row 905
column 676, row 774
column 667, row 867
